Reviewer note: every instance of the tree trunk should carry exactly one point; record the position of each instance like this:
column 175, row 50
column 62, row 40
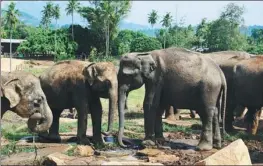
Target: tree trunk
column 10, row 49
column 72, row 31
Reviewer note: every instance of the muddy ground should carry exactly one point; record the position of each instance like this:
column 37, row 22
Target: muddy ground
column 181, row 142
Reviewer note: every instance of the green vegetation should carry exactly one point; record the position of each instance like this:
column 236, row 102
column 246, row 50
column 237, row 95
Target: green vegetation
column 67, row 127
column 11, row 148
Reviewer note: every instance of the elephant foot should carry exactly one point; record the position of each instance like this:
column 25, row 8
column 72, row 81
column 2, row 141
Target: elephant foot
column 204, row 146
column 217, row 145
column 160, row 140
column 83, row 141
column 98, row 140
column 148, row 142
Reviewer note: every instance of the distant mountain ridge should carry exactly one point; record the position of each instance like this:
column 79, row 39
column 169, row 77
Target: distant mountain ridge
column 28, row 19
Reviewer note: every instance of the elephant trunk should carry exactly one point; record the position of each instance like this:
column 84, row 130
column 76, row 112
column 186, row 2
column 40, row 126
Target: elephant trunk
column 121, row 104
column 46, row 119
column 113, row 95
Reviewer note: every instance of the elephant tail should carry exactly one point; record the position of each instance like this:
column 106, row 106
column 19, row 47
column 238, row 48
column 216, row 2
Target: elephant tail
column 223, row 97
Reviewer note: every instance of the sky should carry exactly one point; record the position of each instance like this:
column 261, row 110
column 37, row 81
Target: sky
column 191, row 11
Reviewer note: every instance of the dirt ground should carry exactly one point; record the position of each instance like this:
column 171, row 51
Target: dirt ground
column 185, row 151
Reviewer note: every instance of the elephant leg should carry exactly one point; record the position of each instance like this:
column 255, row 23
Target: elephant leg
column 82, row 111
column 192, row 114
column 159, row 126
column 206, row 116
column 240, row 112
column 216, row 130
column 96, row 115
column 177, row 113
column 229, row 116
column 169, row 113
column 252, row 119
column 54, row 129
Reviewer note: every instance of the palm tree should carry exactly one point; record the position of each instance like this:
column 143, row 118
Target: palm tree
column 152, row 18
column 11, row 19
column 47, row 14
column 72, row 7
column 56, row 16
column 166, row 22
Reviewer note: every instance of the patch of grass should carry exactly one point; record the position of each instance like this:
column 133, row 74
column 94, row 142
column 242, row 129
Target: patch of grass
column 15, row 132
column 11, row 148
column 67, row 127
column 70, row 152
column 105, row 147
column 135, row 99
column 134, row 115
column 176, row 128
column 35, row 71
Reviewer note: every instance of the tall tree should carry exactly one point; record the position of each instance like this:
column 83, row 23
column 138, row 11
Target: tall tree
column 11, row 19
column 56, row 15
column 47, row 14
column 224, row 33
column 201, row 32
column 108, row 14
column 166, row 22
column 72, row 7
column 153, row 17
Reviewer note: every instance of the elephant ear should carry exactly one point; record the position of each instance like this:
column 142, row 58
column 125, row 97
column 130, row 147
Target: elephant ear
column 12, row 91
column 90, row 73
column 147, row 62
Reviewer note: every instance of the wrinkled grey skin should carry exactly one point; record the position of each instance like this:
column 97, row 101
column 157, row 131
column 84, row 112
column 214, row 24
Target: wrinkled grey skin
column 102, row 78
column 248, row 89
column 179, row 78
column 73, row 83
column 22, row 94
column 227, row 61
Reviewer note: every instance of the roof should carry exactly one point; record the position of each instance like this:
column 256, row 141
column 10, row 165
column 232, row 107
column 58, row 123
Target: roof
column 13, row 40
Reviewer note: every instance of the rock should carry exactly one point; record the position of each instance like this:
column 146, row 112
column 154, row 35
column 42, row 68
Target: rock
column 55, row 159
column 235, row 153
column 29, row 158
column 129, row 163
column 149, row 152
column 84, row 151
column 163, row 158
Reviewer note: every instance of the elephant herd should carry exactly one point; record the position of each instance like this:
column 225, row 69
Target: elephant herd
column 212, row 84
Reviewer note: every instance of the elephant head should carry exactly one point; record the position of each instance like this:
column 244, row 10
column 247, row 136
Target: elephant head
column 102, row 77
column 135, row 69
column 22, row 94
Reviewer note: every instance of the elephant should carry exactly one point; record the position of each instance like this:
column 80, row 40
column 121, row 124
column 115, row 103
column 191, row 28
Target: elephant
column 226, row 61
column 78, row 84
column 174, row 77
column 248, row 89
column 22, row 94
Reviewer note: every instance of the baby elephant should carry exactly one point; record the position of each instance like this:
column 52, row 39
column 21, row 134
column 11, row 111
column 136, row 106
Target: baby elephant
column 21, row 93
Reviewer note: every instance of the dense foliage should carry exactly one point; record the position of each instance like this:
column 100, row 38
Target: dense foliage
column 103, row 38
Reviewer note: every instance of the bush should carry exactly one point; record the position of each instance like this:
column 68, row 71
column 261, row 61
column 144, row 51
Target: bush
column 253, row 49
column 144, row 43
